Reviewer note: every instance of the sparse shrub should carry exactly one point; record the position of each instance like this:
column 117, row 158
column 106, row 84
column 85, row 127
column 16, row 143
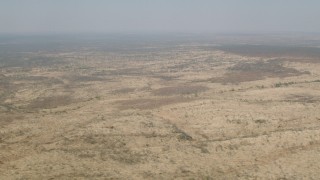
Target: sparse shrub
column 260, row 121
column 184, row 136
column 278, row 84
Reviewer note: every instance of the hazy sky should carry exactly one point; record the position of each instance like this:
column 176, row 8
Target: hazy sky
column 216, row 16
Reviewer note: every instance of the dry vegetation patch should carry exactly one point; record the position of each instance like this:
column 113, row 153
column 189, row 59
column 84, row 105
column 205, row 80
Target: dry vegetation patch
column 243, row 72
column 124, row 90
column 87, row 78
column 51, row 102
column 126, row 72
column 179, row 90
column 150, row 103
column 103, row 147
column 165, row 77
column 8, row 118
column 303, row 98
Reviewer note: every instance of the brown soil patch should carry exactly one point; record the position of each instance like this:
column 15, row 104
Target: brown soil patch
column 302, row 98
column 150, row 103
column 238, row 77
column 124, row 90
column 126, row 72
column 78, row 78
column 6, row 89
column 8, row 118
column 165, row 78
column 51, row 102
column 179, row 90
column 243, row 72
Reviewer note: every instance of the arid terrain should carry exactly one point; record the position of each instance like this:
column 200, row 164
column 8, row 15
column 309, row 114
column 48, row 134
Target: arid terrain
column 160, row 108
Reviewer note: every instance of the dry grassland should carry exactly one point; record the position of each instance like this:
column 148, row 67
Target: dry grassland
column 178, row 113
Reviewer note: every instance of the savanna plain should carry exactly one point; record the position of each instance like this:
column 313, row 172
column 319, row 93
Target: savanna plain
column 160, row 107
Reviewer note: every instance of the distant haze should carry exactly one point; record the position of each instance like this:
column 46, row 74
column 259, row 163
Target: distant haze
column 140, row 16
